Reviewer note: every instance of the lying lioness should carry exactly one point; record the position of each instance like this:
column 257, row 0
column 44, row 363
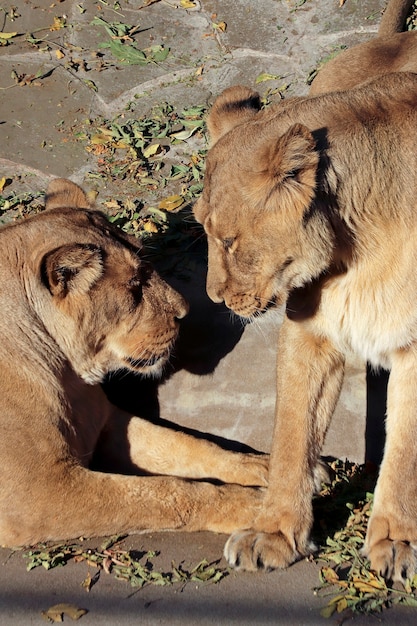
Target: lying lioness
column 77, row 301
column 313, row 206
column 391, row 51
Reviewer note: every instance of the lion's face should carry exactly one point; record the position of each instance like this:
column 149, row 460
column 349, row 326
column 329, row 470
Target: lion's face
column 254, row 207
column 87, row 284
column 249, row 268
column 113, row 302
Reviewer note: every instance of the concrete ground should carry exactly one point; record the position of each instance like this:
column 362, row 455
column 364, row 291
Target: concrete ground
column 224, row 383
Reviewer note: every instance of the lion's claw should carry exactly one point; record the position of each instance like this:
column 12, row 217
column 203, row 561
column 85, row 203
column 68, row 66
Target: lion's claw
column 394, row 560
column 250, row 551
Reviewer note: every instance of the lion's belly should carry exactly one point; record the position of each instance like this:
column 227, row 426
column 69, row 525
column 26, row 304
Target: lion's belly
column 369, row 318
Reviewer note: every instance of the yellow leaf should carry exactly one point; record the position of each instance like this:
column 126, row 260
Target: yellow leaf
column 7, row 35
column 171, row 203
column 222, row 26
column 100, row 139
column 368, row 585
column 105, row 131
column 188, row 4
column 3, row 182
column 151, row 150
column 150, row 227
column 112, row 204
column 59, row 55
column 58, row 23
column 329, row 575
column 341, row 605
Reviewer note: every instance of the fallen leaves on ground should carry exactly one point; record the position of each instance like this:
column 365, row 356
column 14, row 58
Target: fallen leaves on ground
column 132, row 566
column 347, row 578
column 122, row 45
column 5, row 38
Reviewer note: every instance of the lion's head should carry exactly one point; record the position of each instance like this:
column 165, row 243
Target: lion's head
column 258, row 188
column 84, row 290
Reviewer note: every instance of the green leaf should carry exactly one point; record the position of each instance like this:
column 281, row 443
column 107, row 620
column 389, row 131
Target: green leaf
column 265, row 76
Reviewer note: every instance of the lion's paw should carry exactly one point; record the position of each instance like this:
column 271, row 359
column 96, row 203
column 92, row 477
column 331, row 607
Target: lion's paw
column 394, row 560
column 250, row 550
column 253, row 469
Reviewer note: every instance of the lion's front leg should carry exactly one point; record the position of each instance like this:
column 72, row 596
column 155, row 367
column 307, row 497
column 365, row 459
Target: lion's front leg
column 131, row 444
column 391, row 540
column 310, row 374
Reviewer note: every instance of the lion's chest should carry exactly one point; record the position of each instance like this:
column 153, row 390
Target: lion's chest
column 369, row 316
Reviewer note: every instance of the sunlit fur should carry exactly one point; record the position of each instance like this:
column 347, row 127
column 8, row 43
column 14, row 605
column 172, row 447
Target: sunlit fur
column 78, row 301
column 391, row 51
column 311, row 205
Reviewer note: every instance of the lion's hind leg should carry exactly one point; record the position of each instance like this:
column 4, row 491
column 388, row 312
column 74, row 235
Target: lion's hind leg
column 72, row 501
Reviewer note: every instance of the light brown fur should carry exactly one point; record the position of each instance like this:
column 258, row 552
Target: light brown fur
column 313, row 206
column 391, row 51
column 78, row 301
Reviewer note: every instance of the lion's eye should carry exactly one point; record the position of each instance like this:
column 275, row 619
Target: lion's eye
column 228, row 243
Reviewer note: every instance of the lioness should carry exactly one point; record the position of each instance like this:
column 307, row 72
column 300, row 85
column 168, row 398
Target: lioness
column 78, row 301
column 313, row 206
column 391, row 51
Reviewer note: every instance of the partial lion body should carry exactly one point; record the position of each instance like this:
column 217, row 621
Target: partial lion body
column 77, row 301
column 312, row 205
column 391, row 51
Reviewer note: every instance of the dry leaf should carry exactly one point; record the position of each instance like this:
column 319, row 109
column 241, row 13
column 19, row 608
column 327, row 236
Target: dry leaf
column 171, row 203
column 56, row 613
column 150, row 227
column 4, row 181
column 152, row 150
column 59, row 55
column 188, row 4
column 7, row 35
column 222, row 26
column 58, row 23
column 100, row 139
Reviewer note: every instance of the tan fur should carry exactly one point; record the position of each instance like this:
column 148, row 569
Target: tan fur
column 314, row 206
column 77, row 301
column 391, row 51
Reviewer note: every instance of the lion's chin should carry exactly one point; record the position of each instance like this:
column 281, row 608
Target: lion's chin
column 148, row 367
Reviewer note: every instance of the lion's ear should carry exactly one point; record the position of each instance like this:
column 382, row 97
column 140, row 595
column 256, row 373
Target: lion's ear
column 63, row 193
column 287, row 171
column 72, row 268
column 234, row 106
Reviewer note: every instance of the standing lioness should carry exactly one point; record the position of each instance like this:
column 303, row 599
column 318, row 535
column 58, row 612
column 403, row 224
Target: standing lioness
column 76, row 302
column 314, row 205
